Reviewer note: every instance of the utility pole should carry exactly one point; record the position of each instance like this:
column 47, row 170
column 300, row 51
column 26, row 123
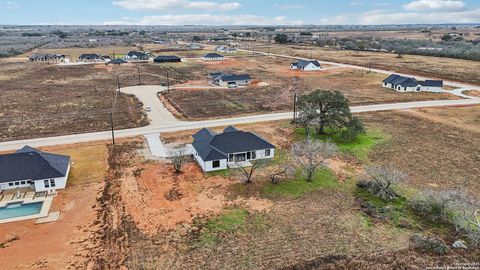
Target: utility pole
column 111, row 123
column 370, row 67
column 138, row 71
column 295, row 108
column 118, row 83
column 168, row 82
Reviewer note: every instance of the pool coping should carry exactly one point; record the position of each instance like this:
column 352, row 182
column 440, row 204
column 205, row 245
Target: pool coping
column 47, row 202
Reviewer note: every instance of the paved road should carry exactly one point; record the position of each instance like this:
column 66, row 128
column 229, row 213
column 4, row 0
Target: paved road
column 458, row 92
column 183, row 125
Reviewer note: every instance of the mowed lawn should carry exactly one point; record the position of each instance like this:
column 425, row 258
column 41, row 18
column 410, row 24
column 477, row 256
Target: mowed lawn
column 88, row 162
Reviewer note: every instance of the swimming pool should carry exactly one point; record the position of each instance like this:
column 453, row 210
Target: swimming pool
column 19, row 209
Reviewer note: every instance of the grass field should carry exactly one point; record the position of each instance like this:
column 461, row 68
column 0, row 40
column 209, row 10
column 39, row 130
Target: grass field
column 433, row 67
column 360, row 88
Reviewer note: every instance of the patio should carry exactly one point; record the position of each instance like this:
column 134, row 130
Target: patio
column 26, row 196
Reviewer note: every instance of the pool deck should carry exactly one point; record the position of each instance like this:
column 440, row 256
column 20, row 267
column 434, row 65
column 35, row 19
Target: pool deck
column 28, row 197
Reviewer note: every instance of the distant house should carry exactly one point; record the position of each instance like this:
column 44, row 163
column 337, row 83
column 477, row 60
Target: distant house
column 135, row 55
column 405, row 84
column 90, row 57
column 230, row 80
column 213, row 57
column 32, row 168
column 43, row 57
column 306, row 65
column 195, row 46
column 167, row 59
column 225, row 49
column 117, row 61
column 231, row 148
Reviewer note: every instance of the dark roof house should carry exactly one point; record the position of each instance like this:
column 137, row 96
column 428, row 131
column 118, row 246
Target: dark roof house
column 399, row 80
column 136, row 55
column 212, row 56
column 117, row 61
column 212, row 146
column 31, row 164
column 302, row 64
column 89, row 56
column 167, row 59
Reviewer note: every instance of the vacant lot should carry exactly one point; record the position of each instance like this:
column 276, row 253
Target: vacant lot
column 433, row 67
column 37, row 99
column 438, row 148
column 360, row 87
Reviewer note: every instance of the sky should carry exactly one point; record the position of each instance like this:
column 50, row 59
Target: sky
column 238, row 12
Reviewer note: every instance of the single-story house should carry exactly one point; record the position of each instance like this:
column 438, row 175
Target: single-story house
column 135, row 55
column 213, row 57
column 32, row 168
column 90, row 57
column 405, row 84
column 225, row 49
column 195, row 46
column 306, row 65
column 167, row 59
column 231, row 148
column 225, row 79
column 117, row 61
column 46, row 57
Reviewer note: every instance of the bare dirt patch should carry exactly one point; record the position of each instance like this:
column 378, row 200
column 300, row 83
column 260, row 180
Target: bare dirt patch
column 473, row 93
column 59, row 245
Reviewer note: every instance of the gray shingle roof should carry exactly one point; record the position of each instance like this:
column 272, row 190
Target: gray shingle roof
column 118, row 61
column 31, row 164
column 305, row 63
column 89, row 56
column 396, row 79
column 432, row 83
column 211, row 146
column 234, row 77
column 213, row 55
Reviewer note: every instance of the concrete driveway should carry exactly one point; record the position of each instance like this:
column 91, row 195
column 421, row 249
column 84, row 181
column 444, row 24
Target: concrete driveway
column 148, row 95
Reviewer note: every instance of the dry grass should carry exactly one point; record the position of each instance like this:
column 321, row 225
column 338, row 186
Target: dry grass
column 73, row 53
column 431, row 146
column 433, row 67
column 88, row 161
column 473, row 93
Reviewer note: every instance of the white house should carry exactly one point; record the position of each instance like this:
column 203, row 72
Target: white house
column 405, row 84
column 305, row 65
column 135, row 55
column 213, row 57
column 230, row 80
column 32, row 168
column 225, row 49
column 231, row 148
column 90, row 57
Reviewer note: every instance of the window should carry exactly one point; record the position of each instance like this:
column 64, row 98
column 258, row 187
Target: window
column 267, row 152
column 216, row 164
column 17, row 183
column 52, row 182
column 23, row 182
column 46, row 183
column 30, row 182
column 249, row 155
column 230, row 158
column 10, row 184
column 254, row 155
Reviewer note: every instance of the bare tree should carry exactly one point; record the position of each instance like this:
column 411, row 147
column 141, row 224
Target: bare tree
column 248, row 172
column 278, row 171
column 179, row 157
column 382, row 179
column 311, row 155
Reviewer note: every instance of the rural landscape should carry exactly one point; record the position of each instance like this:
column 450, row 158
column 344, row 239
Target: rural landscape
column 230, row 141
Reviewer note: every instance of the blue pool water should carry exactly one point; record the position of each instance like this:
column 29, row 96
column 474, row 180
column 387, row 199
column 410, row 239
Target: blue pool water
column 13, row 210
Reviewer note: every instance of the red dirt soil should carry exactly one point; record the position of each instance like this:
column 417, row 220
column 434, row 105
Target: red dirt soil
column 57, row 245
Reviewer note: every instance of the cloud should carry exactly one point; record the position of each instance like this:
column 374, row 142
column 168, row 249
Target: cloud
column 383, row 17
column 435, row 5
column 207, row 19
column 287, row 6
column 172, row 4
column 11, row 5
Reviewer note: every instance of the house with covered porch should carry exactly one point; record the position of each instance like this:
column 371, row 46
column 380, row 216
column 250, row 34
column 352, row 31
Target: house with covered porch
column 231, row 148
